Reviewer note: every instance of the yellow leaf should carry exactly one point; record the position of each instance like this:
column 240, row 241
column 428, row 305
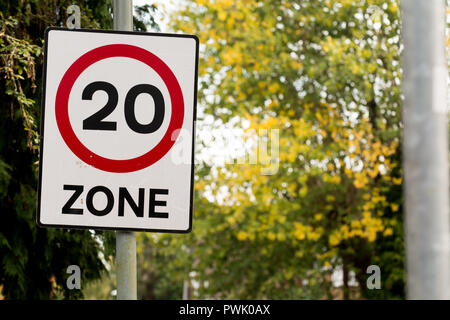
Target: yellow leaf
column 300, row 231
column 273, row 88
column 303, row 191
column 394, row 207
column 222, row 15
column 334, row 239
column 281, row 236
column 242, row 236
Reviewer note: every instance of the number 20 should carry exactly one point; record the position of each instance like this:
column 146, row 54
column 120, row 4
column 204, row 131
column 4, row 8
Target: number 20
column 96, row 122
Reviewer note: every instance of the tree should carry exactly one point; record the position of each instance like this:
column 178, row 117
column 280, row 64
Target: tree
column 156, row 271
column 34, row 261
column 326, row 74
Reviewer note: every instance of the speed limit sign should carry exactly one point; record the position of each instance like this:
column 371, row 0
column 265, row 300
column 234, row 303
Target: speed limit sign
column 117, row 130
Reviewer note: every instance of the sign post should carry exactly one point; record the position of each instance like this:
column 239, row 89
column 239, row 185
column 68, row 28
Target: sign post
column 125, row 240
column 117, row 134
column 425, row 150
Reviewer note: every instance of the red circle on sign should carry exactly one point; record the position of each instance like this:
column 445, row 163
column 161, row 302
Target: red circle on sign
column 62, row 108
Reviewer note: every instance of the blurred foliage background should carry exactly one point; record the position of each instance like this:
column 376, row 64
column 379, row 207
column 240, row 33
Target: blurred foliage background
column 325, row 74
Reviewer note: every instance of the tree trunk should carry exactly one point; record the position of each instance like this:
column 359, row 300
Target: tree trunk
column 345, row 287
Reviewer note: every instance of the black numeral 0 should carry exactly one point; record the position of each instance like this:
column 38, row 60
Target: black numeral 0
column 130, row 115
column 96, row 122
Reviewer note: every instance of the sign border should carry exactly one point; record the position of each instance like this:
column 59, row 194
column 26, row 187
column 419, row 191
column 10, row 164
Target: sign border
column 42, row 126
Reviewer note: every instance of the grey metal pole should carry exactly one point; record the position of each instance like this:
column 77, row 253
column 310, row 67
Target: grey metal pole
column 425, row 150
column 126, row 265
column 125, row 241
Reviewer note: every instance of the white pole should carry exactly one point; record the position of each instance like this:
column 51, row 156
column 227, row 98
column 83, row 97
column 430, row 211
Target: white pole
column 425, row 150
column 125, row 241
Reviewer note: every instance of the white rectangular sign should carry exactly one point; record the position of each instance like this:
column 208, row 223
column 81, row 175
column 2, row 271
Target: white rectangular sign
column 117, row 130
